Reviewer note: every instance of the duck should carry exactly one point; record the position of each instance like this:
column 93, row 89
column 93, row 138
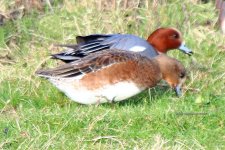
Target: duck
column 160, row 41
column 114, row 75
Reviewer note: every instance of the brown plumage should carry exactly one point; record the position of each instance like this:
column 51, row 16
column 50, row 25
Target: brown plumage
column 98, row 74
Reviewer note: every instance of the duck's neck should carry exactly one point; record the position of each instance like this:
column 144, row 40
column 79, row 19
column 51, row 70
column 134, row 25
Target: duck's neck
column 159, row 46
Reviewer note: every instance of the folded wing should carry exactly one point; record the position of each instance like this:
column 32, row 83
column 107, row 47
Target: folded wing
column 98, row 42
column 91, row 63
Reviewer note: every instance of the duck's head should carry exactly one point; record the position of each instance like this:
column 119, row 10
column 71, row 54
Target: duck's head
column 173, row 72
column 165, row 39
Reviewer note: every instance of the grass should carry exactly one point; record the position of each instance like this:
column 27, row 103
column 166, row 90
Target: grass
column 35, row 115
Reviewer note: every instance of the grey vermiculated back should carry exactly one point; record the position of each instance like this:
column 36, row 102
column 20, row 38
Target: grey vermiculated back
column 124, row 42
column 128, row 42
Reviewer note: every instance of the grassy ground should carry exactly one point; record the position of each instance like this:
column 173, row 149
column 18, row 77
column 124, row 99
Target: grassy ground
column 35, row 115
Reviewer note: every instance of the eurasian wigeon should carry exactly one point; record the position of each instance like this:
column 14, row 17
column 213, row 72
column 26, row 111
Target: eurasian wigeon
column 160, row 41
column 114, row 75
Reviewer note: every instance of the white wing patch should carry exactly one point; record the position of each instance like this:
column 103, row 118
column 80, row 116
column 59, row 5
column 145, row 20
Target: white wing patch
column 137, row 48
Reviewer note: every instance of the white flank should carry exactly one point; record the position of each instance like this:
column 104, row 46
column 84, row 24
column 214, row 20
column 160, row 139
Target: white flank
column 137, row 48
column 117, row 92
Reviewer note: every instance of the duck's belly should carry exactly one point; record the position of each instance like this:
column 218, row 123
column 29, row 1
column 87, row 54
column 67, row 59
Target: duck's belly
column 116, row 92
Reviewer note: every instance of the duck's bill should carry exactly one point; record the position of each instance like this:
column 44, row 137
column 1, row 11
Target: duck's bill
column 185, row 49
column 178, row 90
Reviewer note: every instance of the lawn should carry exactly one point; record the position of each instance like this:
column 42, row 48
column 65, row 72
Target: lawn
column 35, row 115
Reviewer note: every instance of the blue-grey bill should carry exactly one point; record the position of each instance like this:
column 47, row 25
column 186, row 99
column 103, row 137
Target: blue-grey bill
column 178, row 91
column 185, row 49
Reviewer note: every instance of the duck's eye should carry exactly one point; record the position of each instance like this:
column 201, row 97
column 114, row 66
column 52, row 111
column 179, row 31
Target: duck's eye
column 182, row 75
column 175, row 36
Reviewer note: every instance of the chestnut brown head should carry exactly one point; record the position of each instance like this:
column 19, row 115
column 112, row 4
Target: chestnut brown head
column 165, row 39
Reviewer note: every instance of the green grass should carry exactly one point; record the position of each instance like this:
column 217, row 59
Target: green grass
column 35, row 115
